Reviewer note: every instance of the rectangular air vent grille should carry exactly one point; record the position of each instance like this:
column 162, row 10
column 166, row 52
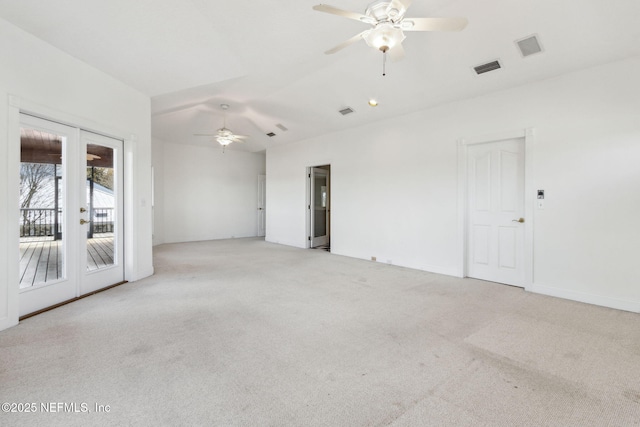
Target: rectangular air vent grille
column 529, row 46
column 485, row 68
column 346, row 111
column 271, row 134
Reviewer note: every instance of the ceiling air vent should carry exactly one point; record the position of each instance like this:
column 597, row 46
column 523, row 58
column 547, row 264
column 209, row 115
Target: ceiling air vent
column 271, row 134
column 346, row 111
column 281, row 127
column 529, row 45
column 485, row 68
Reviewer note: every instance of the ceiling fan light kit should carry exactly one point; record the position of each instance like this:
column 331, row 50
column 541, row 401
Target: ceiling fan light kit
column 388, row 20
column 384, row 37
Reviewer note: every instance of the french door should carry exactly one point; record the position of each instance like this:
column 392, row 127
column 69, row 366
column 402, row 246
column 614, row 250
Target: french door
column 71, row 210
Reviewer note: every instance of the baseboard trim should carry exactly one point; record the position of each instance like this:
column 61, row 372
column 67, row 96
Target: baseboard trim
column 618, row 304
column 441, row 270
column 6, row 323
column 144, row 274
column 287, row 243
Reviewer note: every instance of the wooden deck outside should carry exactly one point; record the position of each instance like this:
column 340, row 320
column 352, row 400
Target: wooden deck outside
column 41, row 258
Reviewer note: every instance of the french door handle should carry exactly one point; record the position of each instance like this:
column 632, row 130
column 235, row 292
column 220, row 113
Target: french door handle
column 83, row 222
column 82, row 210
column 520, row 220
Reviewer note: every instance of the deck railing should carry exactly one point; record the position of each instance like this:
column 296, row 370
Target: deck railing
column 102, row 220
column 40, row 222
column 46, row 223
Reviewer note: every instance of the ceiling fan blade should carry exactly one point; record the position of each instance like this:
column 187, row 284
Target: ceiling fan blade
column 344, row 13
column 396, row 53
column 346, row 43
column 239, row 137
column 433, row 24
column 204, row 134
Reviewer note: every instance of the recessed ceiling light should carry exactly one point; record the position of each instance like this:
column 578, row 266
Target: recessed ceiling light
column 373, row 103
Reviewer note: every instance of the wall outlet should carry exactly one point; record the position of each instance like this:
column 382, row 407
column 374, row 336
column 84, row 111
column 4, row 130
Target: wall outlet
column 373, row 258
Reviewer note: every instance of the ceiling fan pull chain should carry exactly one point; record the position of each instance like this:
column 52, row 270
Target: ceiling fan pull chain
column 384, row 63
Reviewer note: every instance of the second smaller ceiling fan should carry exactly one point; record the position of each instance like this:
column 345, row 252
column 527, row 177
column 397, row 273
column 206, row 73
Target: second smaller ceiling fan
column 223, row 135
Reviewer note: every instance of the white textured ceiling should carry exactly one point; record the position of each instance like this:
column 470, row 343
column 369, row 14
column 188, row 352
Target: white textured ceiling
column 265, row 58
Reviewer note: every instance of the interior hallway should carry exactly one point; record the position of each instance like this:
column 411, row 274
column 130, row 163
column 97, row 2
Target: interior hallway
column 243, row 332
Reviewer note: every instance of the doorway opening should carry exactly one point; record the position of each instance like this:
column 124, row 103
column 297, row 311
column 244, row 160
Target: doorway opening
column 319, row 207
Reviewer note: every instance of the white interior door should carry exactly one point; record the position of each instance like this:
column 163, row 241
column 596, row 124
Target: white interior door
column 319, row 207
column 262, row 204
column 67, row 176
column 495, row 229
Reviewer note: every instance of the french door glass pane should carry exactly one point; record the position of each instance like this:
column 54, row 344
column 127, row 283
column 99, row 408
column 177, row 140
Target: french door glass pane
column 101, row 203
column 41, row 208
column 320, row 206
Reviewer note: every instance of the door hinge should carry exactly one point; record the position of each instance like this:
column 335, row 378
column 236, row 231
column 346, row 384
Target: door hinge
column 309, row 175
column 309, row 237
column 309, row 207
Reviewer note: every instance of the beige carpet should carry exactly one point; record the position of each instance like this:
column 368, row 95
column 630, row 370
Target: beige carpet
column 245, row 333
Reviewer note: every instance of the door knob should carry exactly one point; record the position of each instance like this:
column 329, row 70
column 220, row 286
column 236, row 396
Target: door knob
column 83, row 222
column 83, row 210
column 520, row 220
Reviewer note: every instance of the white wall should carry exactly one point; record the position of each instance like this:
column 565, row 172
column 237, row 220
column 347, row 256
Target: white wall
column 206, row 194
column 394, row 183
column 41, row 79
column 157, row 161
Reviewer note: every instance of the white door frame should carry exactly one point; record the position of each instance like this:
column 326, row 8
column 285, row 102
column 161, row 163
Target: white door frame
column 529, row 197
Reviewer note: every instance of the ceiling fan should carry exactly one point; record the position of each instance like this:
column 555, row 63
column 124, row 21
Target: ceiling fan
column 388, row 21
column 223, row 135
